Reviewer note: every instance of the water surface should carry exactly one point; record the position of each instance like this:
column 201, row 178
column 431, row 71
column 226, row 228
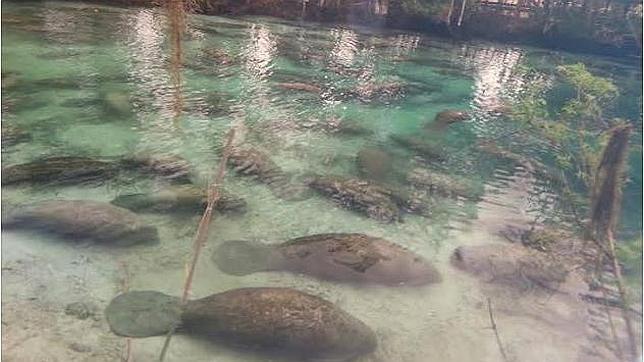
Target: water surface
column 96, row 81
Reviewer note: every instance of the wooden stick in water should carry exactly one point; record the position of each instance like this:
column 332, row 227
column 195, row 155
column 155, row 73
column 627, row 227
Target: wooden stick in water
column 202, row 232
column 125, row 287
column 496, row 331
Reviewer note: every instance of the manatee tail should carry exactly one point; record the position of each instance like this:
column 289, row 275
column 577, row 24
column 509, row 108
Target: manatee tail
column 143, row 314
column 239, row 257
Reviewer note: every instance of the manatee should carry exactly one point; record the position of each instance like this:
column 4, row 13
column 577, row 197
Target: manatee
column 81, row 219
column 179, row 198
column 445, row 118
column 510, row 264
column 12, row 135
column 311, row 88
column 351, row 258
column 280, row 321
column 378, row 202
column 384, row 90
column 444, row 184
column 336, row 126
column 374, row 163
column 219, row 56
column 429, row 150
column 63, row 170
column 169, row 167
column 252, row 162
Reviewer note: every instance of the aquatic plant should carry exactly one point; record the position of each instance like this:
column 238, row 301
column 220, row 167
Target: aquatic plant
column 576, row 129
column 590, row 150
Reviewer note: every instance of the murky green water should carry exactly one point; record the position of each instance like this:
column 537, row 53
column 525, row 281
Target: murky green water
column 94, row 81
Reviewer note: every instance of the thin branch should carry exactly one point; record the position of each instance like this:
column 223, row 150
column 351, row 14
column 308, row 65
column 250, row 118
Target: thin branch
column 496, row 331
column 125, row 287
column 617, row 270
column 202, row 232
column 599, row 268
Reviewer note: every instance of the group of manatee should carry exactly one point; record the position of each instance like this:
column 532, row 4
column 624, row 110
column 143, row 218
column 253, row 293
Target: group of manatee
column 280, row 320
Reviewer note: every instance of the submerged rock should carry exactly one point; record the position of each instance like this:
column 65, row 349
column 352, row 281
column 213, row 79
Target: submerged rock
column 61, row 170
column 81, row 219
column 510, row 264
column 378, row 202
column 280, row 321
column 179, row 198
column 444, row 184
column 374, row 163
column 252, row 162
column 355, row 258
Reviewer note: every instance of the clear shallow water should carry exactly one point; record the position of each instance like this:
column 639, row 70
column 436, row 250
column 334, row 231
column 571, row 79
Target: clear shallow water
column 94, row 81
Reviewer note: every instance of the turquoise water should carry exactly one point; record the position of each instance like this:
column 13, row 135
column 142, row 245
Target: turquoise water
column 94, row 81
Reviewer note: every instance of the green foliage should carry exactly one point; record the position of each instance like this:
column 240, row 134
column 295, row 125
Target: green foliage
column 576, row 129
column 593, row 93
column 426, row 8
column 629, row 254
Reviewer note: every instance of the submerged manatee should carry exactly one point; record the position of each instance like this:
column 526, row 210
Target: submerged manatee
column 179, row 198
column 510, row 264
column 80, row 219
column 252, row 162
column 427, row 148
column 445, row 118
column 283, row 321
column 12, row 135
column 169, row 167
column 300, row 87
column 374, row 163
column 443, row 184
column 378, row 202
column 62, row 170
column 355, row 258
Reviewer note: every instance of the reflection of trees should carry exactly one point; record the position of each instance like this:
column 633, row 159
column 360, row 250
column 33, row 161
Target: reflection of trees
column 345, row 47
column 493, row 74
column 147, row 69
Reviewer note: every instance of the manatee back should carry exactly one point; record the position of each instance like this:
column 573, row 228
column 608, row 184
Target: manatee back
column 279, row 320
column 143, row 314
column 83, row 219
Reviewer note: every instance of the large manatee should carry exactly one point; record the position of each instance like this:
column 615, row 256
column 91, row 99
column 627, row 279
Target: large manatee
column 510, row 264
column 355, row 258
column 62, row 170
column 280, row 321
column 81, row 219
column 186, row 198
